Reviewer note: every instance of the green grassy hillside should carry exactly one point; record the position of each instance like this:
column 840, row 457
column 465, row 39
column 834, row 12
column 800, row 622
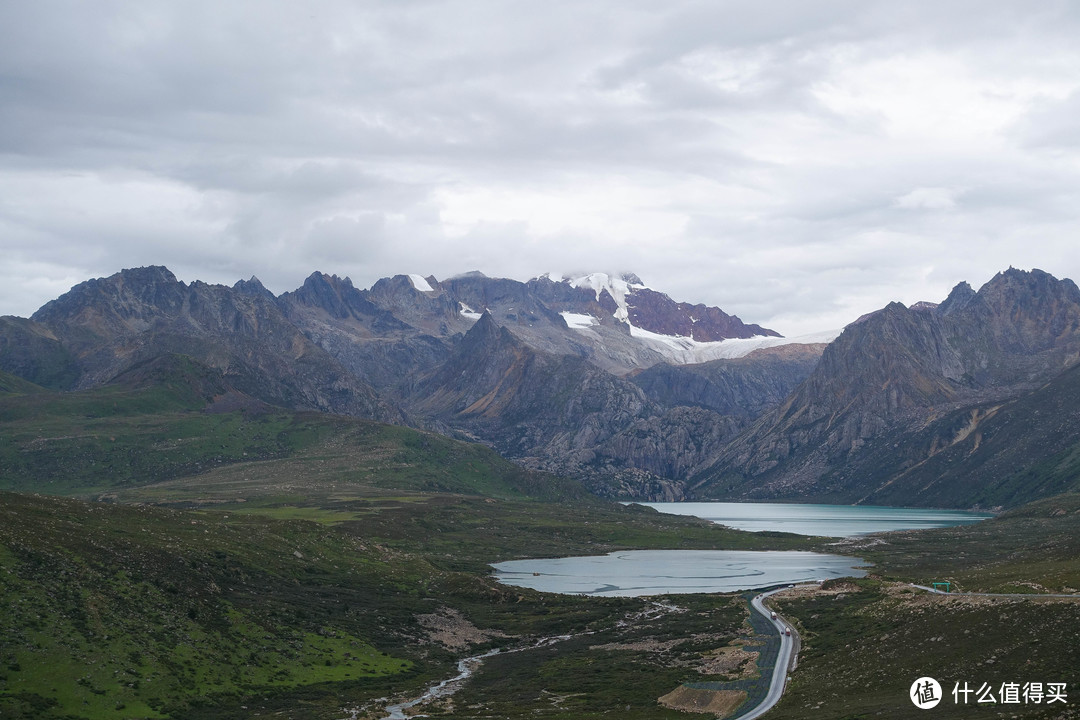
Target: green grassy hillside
column 121, row 611
column 255, row 563
column 1032, row 549
column 868, row 641
column 113, row 611
column 299, row 568
column 864, row 648
column 14, row 385
column 175, row 418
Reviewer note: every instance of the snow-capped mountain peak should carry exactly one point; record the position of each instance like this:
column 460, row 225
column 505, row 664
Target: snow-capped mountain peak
column 618, row 287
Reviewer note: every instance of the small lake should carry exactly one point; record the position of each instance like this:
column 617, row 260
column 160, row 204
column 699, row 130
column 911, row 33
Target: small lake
column 634, row 573
column 828, row 520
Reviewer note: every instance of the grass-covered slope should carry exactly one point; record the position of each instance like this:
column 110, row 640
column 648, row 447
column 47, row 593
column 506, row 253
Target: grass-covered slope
column 1032, row 549
column 15, row 385
column 307, row 565
column 120, row 611
column 113, row 611
column 175, row 418
column 866, row 642
column 30, row 350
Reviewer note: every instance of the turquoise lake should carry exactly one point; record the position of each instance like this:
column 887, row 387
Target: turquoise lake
column 828, row 520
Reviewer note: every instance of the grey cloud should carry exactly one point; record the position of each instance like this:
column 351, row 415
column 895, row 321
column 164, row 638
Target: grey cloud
column 340, row 239
column 1052, row 124
column 688, row 141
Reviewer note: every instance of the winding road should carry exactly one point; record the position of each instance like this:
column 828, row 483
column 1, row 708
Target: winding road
column 789, row 645
column 784, row 659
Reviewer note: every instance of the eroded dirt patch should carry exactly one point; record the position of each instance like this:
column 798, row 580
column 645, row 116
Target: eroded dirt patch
column 449, row 628
column 831, row 587
column 734, row 661
column 720, row 703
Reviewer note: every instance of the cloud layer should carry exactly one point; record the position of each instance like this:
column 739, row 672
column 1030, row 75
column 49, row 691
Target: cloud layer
column 796, row 163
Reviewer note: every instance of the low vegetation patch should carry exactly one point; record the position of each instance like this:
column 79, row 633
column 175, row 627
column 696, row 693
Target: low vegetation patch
column 863, row 650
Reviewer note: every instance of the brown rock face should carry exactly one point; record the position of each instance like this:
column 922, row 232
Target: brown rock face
column 549, row 393
column 887, row 378
column 647, row 309
column 656, row 312
column 109, row 325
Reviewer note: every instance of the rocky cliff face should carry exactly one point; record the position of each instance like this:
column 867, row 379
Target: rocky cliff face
column 111, row 324
column 356, row 328
column 433, row 312
column 889, row 376
column 990, row 455
column 656, row 312
column 538, row 376
column 951, row 403
column 547, row 411
column 742, row 388
column 562, row 414
column 625, row 298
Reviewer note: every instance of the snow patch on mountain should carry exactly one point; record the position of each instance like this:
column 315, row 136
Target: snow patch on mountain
column 579, row 321
column 420, row 283
column 687, row 351
column 617, row 287
column 468, row 312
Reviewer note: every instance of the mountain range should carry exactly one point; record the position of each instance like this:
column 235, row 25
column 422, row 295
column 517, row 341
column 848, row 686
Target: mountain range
column 963, row 403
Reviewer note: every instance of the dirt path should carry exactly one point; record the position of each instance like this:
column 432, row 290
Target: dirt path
column 1024, row 596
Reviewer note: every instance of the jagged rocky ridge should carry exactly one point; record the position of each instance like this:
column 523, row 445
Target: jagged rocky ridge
column 956, row 404
column 109, row 325
column 905, row 388
column 546, row 393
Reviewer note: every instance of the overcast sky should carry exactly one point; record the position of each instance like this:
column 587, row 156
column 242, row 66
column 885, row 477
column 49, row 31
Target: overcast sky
column 796, row 163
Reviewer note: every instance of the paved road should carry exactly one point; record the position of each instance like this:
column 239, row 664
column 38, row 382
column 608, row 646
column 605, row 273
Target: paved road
column 1027, row 596
column 789, row 645
column 783, row 658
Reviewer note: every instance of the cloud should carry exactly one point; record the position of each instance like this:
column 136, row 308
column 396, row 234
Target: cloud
column 797, row 164
column 1051, row 125
column 928, row 198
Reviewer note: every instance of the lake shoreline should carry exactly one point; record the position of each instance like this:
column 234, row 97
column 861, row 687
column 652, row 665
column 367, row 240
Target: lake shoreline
column 819, row 520
column 642, row 573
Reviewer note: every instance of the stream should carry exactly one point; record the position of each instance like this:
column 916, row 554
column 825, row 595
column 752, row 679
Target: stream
column 467, row 666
